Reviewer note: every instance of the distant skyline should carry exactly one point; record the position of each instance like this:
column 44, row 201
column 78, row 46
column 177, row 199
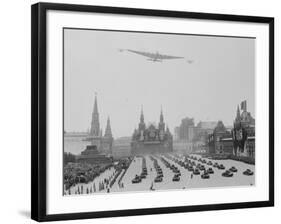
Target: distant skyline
column 221, row 75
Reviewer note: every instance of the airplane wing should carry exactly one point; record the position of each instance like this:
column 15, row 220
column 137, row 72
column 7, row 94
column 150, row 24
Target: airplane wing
column 146, row 54
column 154, row 55
column 163, row 56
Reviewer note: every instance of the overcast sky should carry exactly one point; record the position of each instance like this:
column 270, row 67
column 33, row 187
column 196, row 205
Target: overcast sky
column 221, row 76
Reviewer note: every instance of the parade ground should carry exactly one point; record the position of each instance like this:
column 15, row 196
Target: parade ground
column 168, row 172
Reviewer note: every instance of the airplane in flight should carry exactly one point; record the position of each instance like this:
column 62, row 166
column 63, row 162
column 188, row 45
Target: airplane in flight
column 155, row 57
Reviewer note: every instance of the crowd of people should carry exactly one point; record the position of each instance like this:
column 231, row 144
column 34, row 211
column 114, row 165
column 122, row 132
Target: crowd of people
column 76, row 174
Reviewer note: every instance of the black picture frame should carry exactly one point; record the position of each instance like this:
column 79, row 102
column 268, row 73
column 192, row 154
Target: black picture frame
column 39, row 108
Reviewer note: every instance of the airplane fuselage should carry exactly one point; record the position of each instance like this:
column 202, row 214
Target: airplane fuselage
column 155, row 57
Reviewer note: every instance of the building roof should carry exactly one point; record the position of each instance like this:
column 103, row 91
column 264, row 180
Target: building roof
column 207, row 124
column 220, row 127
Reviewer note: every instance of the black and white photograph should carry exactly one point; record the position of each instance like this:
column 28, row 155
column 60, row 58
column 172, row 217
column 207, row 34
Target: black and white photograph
column 140, row 111
column 148, row 111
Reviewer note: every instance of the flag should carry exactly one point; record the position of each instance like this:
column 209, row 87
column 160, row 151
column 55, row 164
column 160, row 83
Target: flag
column 244, row 105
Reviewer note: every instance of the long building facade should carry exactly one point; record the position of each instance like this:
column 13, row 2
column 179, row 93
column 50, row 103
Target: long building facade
column 220, row 140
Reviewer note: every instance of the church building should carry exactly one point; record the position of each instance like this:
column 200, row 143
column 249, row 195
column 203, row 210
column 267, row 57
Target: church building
column 151, row 139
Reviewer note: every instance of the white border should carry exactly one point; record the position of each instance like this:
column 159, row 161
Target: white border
column 56, row 203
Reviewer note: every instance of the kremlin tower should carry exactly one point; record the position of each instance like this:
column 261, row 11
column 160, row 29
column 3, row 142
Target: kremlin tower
column 103, row 143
